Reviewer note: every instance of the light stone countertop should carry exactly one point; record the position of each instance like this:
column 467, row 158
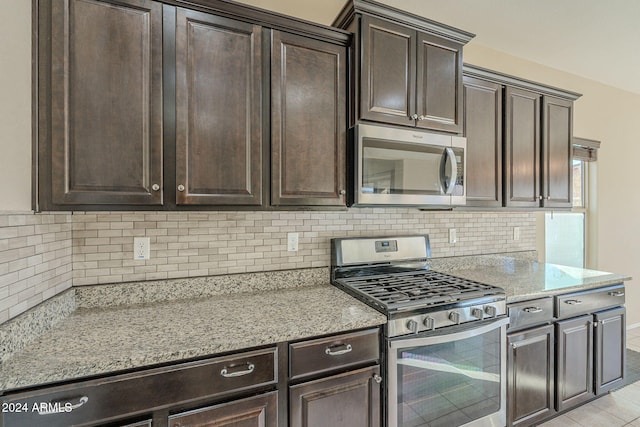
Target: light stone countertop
column 99, row 341
column 128, row 326
column 524, row 279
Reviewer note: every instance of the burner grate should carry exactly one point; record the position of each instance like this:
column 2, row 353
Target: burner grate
column 417, row 288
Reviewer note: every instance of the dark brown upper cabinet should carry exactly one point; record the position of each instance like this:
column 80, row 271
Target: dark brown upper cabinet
column 218, row 110
column 536, row 137
column 483, row 130
column 408, row 69
column 308, row 121
column 557, row 137
column 522, row 148
column 104, row 89
column 143, row 104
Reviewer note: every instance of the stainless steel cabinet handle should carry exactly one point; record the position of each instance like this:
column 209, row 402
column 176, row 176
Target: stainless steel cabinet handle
column 180, row 187
column 413, row 117
column 227, row 374
column 338, row 350
column 573, row 302
column 155, row 187
column 377, row 378
column 343, row 192
column 63, row 406
column 616, row 293
column 532, row 310
column 422, row 118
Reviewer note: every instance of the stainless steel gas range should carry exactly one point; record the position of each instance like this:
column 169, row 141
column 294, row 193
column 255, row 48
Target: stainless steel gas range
column 445, row 341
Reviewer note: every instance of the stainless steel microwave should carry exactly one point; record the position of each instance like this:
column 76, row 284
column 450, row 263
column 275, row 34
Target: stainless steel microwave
column 406, row 167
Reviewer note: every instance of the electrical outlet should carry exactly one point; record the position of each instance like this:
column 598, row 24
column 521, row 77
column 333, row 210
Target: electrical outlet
column 292, row 242
column 516, row 233
column 453, row 238
column 141, row 248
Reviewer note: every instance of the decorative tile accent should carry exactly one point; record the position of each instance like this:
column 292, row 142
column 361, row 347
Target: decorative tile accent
column 35, row 259
column 189, row 244
column 41, row 255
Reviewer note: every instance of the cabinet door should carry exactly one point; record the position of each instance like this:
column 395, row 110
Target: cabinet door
column 351, row 399
column 218, row 110
column 574, row 381
column 531, row 369
column 610, row 350
column 439, row 84
column 106, row 102
column 388, row 83
column 257, row 411
column 522, row 148
column 483, row 130
column 557, row 171
column 308, row 122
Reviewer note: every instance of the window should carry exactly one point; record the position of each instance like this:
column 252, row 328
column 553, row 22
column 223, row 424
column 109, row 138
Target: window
column 565, row 233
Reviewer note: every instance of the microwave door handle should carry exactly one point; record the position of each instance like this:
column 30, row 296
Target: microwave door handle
column 451, row 185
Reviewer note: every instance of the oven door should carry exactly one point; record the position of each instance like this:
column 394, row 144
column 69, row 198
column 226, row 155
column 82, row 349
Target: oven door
column 449, row 377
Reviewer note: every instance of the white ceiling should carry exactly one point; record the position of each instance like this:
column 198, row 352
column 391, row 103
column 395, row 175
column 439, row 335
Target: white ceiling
column 596, row 39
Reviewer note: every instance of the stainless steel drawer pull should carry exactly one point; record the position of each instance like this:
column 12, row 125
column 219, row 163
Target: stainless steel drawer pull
column 532, row 310
column 573, row 302
column 61, row 406
column 616, row 293
column 225, row 372
column 338, row 350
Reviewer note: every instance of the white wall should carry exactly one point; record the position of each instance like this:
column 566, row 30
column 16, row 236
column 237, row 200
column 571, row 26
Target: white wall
column 15, row 106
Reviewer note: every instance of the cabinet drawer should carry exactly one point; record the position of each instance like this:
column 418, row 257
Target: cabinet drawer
column 576, row 303
column 126, row 395
column 530, row 313
column 331, row 353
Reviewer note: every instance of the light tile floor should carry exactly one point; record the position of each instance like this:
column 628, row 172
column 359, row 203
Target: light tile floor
column 619, row 408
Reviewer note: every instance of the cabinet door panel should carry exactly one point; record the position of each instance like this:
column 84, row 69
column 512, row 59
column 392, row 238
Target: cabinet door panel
column 575, row 361
column 106, row 102
column 522, row 148
column 351, row 399
column 610, row 351
column 531, row 386
column 388, row 72
column 483, row 130
column 218, row 110
column 439, row 84
column 308, row 126
column 557, row 133
column 258, row 411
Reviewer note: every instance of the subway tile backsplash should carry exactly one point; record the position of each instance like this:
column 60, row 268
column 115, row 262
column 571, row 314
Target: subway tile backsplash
column 42, row 254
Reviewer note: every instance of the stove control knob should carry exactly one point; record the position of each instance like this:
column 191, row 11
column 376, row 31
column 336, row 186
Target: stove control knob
column 430, row 323
column 412, row 325
column 454, row 316
column 490, row 310
column 477, row 313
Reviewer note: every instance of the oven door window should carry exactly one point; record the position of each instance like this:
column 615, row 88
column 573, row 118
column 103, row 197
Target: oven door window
column 449, row 383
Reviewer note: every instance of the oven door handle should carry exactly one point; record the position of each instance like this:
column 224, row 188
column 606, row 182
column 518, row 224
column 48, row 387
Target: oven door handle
column 470, row 330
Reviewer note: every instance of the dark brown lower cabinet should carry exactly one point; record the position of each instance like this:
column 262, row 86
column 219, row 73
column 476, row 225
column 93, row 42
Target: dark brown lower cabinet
column 610, row 349
column 256, row 411
column 574, row 361
column 350, row 399
column 531, row 382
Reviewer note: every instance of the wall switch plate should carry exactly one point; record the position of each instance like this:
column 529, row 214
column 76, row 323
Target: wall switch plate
column 292, row 242
column 453, row 238
column 141, row 248
column 516, row 233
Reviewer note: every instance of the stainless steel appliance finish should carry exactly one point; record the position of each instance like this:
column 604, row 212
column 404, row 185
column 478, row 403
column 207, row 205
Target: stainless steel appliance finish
column 406, row 167
column 445, row 346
